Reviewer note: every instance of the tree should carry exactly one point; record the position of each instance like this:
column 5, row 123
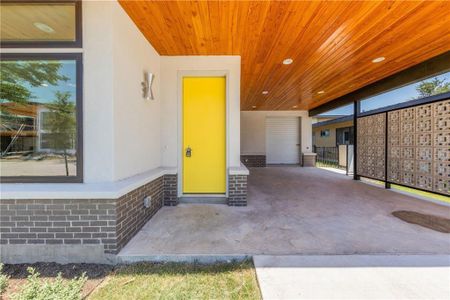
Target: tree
column 17, row 78
column 432, row 87
column 62, row 124
column 14, row 75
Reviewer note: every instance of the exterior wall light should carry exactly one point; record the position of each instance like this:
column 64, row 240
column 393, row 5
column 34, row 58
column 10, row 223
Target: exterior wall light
column 147, row 92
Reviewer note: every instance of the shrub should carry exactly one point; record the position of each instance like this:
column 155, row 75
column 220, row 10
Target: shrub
column 3, row 280
column 57, row 289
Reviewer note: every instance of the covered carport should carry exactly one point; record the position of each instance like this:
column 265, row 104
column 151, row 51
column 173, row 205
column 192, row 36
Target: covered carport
column 298, row 210
column 293, row 210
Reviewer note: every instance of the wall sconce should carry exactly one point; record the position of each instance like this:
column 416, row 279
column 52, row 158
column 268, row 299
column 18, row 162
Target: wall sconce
column 147, row 92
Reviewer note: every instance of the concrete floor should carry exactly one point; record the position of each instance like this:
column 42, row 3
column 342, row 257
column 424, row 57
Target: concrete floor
column 294, row 210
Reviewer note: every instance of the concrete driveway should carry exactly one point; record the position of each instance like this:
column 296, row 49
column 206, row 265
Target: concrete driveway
column 294, row 210
column 354, row 276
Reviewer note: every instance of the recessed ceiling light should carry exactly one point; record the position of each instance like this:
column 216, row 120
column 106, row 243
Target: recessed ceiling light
column 378, row 59
column 265, row 92
column 288, row 61
column 295, row 106
column 253, row 106
column 320, row 92
column 43, row 27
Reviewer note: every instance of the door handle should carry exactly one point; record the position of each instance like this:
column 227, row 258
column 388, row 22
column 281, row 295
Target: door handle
column 188, row 151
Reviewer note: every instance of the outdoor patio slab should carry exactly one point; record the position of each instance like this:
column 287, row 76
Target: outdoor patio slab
column 293, row 210
column 354, row 276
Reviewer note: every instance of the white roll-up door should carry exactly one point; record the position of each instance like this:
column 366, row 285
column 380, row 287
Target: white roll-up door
column 283, row 140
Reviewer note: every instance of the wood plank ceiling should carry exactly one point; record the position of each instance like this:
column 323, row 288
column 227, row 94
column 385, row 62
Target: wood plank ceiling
column 332, row 43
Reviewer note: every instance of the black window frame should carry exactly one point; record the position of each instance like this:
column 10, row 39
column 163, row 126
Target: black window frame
column 78, row 58
column 78, row 43
column 326, row 132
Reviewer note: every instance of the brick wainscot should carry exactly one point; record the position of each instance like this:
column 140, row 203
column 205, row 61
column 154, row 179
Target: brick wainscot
column 88, row 222
column 84, row 230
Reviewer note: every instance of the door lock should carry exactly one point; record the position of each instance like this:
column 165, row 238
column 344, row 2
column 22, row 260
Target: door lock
column 188, row 152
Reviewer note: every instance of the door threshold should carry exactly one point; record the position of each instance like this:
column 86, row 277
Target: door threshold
column 204, row 199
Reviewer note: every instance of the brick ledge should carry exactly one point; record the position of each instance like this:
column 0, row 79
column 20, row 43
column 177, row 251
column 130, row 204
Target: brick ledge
column 242, row 170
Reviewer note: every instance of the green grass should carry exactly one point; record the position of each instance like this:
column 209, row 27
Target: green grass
column 3, row 280
column 421, row 193
column 320, row 164
column 413, row 191
column 235, row 280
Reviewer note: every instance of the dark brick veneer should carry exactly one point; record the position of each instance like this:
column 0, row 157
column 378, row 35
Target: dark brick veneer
column 251, row 161
column 59, row 221
column 170, row 190
column 237, row 190
column 131, row 213
column 108, row 222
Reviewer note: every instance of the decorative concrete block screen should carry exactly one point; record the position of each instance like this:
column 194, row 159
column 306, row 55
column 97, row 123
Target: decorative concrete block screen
column 371, row 131
column 419, row 146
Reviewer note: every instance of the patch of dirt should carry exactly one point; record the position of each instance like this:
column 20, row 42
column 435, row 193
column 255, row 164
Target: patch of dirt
column 18, row 273
column 429, row 221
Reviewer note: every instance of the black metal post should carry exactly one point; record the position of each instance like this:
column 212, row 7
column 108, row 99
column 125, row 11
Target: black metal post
column 387, row 185
column 346, row 159
column 355, row 140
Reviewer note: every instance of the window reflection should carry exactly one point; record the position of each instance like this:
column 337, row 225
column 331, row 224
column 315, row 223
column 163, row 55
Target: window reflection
column 38, row 125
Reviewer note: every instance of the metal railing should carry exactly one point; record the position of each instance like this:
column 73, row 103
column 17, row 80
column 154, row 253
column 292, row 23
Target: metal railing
column 328, row 156
column 340, row 157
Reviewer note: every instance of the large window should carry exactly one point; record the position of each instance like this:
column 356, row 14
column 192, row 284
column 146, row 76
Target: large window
column 38, row 23
column 40, row 110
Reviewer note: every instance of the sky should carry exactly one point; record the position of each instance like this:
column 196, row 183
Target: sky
column 46, row 93
column 400, row 95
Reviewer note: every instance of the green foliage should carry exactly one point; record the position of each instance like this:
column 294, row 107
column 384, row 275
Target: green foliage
column 14, row 75
column 432, row 87
column 3, row 280
column 62, row 124
column 14, row 92
column 37, row 289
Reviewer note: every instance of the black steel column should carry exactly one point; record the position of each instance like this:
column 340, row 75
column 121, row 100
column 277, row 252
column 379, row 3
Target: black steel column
column 387, row 185
column 355, row 140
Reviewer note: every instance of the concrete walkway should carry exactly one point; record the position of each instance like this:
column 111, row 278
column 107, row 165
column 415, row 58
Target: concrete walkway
column 354, row 277
column 292, row 210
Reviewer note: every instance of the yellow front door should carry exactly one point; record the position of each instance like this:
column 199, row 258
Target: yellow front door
column 204, row 135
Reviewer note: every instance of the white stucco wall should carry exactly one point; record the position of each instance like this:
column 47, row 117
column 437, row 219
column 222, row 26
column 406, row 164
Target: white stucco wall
column 123, row 134
column 170, row 68
column 253, row 130
column 121, row 129
column 135, row 135
column 136, row 120
column 98, row 124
